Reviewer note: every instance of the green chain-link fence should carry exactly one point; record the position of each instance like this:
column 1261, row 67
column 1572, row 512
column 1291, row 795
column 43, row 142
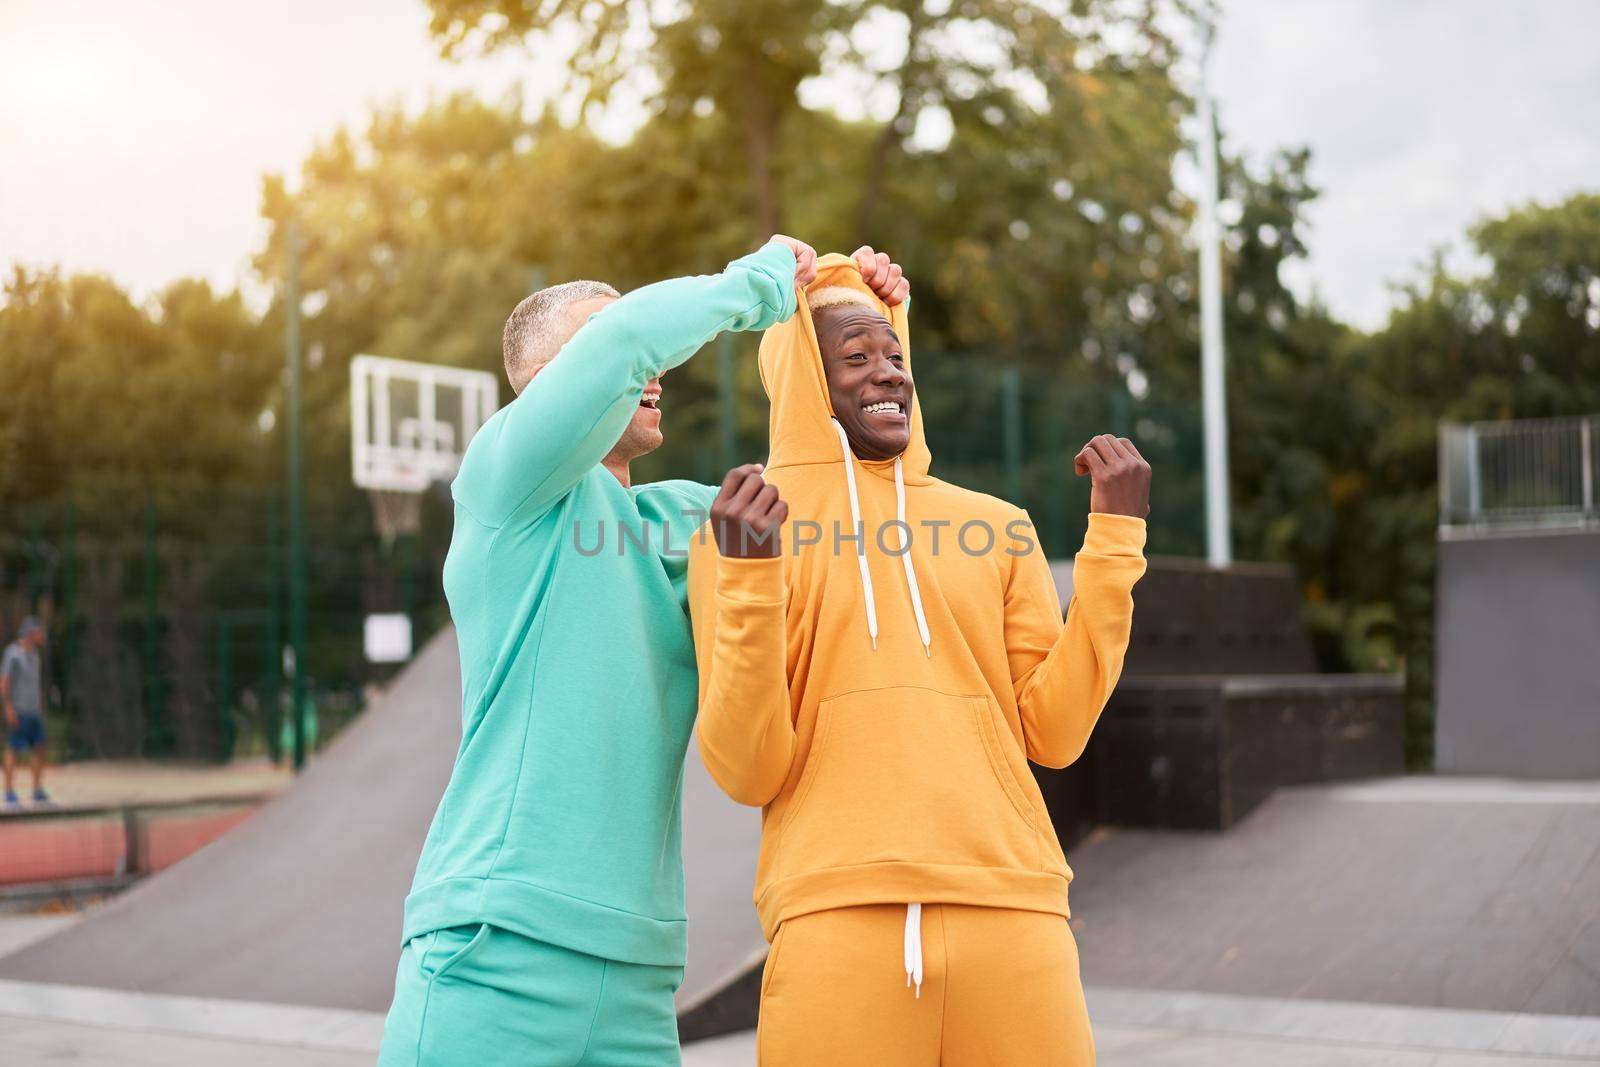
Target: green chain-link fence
column 167, row 617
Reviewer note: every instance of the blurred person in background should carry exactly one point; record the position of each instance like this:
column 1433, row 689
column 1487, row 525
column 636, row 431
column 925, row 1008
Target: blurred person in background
column 22, row 698
column 879, row 693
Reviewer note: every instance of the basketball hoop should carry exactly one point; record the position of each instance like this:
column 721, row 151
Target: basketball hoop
column 409, row 427
column 410, row 422
column 395, row 512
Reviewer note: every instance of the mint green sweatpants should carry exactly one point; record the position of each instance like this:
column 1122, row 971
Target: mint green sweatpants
column 484, row 996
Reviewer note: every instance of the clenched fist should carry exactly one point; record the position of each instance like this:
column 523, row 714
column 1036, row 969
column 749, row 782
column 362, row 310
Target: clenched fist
column 747, row 516
column 1119, row 475
column 805, row 259
column 882, row 275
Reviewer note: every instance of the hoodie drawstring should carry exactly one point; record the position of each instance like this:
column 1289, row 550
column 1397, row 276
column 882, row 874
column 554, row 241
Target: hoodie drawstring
column 905, row 558
column 904, row 529
column 914, row 947
column 861, row 534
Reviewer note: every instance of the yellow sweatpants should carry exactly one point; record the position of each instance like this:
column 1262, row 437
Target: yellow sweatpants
column 999, row 987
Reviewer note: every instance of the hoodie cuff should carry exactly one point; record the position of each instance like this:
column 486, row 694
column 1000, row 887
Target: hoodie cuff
column 751, row 581
column 1114, row 535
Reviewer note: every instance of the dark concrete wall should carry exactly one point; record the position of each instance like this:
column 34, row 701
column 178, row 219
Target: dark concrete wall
column 1190, row 618
column 1517, row 655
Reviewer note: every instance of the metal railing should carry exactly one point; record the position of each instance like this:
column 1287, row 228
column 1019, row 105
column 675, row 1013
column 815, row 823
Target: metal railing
column 1526, row 472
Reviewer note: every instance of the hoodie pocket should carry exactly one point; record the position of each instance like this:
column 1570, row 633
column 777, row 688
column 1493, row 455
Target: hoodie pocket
column 910, row 775
column 439, row 952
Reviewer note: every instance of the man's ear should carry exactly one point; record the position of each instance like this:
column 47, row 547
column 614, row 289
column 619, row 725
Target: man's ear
column 537, row 367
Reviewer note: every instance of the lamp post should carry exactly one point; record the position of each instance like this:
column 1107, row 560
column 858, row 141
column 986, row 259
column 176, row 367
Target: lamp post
column 297, row 502
column 1214, row 400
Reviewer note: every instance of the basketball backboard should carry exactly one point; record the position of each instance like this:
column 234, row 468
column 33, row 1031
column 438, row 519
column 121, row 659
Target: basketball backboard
column 410, row 422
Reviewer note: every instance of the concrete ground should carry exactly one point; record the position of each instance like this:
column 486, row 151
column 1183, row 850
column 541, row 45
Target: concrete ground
column 48, row 1024
column 19, row 930
column 122, row 783
column 30, row 1041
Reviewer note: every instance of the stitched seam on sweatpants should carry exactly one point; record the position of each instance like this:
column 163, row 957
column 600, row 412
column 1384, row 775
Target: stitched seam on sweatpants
column 427, row 992
column 599, row 999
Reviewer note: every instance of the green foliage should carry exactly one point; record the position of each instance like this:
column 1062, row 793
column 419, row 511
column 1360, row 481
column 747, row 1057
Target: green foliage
column 115, row 414
column 1520, row 340
column 1040, row 227
column 1334, row 434
column 107, row 401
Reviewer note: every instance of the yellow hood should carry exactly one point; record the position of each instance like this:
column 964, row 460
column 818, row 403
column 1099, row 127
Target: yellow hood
column 801, row 428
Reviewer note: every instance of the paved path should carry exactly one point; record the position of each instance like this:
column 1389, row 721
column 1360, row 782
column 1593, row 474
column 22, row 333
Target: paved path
column 1137, row 1028
column 33, row 1042
column 128, row 783
column 19, row 930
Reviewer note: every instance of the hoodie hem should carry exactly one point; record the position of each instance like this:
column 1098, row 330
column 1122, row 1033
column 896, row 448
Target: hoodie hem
column 548, row 916
column 904, row 882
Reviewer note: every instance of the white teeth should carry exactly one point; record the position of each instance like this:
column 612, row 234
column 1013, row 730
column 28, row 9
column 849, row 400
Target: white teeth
column 882, row 408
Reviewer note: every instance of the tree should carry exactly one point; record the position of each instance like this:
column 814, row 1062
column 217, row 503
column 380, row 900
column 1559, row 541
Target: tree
column 995, row 59
column 1517, row 341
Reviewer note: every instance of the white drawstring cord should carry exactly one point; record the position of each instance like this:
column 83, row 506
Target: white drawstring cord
column 914, row 947
column 905, row 558
column 904, row 542
column 861, row 533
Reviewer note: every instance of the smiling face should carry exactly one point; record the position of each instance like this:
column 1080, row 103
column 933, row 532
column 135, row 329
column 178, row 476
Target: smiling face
column 868, row 381
column 643, row 434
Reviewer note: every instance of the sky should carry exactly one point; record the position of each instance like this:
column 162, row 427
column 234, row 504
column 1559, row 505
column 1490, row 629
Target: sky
column 1423, row 116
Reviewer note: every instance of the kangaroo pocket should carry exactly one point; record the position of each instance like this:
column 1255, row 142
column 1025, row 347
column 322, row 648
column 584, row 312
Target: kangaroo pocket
column 909, row 775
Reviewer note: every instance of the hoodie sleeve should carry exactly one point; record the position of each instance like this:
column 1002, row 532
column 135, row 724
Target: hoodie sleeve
column 738, row 608
column 541, row 444
column 1064, row 674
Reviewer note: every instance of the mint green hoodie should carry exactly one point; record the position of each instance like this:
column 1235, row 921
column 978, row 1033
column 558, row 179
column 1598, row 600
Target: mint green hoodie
column 561, row 820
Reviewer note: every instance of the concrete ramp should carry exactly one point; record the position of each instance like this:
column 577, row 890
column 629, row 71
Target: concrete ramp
column 302, row 903
column 1431, row 892
column 726, row 946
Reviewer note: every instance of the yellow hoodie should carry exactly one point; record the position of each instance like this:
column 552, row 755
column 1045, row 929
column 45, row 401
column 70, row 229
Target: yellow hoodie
column 881, row 715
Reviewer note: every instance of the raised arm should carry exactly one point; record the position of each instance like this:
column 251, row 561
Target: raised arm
column 534, row 450
column 1064, row 674
column 738, row 604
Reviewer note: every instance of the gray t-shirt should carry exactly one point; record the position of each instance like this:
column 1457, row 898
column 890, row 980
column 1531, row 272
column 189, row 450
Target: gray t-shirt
column 21, row 665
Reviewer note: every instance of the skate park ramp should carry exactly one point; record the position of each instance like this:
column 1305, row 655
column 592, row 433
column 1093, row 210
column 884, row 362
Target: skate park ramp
column 302, row 903
column 1472, row 894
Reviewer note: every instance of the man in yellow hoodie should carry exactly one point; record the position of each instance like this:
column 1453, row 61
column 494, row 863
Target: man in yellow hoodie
column 875, row 674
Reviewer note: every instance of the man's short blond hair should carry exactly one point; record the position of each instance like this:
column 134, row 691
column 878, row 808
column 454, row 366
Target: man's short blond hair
column 835, row 295
column 536, row 330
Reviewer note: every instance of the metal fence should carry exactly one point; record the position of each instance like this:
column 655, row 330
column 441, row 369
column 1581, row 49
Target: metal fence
column 1526, row 472
column 167, row 621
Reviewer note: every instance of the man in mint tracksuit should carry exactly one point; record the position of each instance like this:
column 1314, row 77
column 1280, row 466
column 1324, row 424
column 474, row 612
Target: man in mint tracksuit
column 546, row 923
